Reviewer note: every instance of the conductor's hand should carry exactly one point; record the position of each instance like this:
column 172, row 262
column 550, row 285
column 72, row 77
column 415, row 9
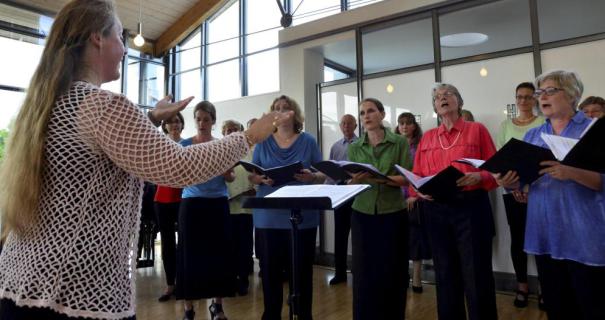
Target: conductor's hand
column 266, row 125
column 166, row 109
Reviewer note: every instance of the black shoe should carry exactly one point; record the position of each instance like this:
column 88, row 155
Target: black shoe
column 339, row 278
column 189, row 314
column 416, row 289
column 541, row 304
column 165, row 297
column 520, row 299
column 215, row 311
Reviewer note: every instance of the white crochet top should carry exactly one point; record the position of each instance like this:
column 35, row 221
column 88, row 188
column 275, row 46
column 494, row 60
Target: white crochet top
column 78, row 258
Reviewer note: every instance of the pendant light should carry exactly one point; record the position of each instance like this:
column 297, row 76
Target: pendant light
column 139, row 41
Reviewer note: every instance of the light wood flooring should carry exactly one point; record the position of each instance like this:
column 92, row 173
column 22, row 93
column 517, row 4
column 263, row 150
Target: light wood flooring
column 329, row 302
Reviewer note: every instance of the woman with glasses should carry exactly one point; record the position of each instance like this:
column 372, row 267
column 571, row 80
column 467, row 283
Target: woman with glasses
column 565, row 210
column 515, row 202
column 461, row 227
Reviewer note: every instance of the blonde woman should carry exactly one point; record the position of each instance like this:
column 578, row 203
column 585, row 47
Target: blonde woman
column 72, row 176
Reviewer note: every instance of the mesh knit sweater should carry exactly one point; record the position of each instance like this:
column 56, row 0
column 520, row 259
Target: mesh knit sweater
column 78, row 258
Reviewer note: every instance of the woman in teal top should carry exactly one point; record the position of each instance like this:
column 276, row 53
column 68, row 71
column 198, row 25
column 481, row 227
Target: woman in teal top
column 515, row 203
column 379, row 226
column 205, row 267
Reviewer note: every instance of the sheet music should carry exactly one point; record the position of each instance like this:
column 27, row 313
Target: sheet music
column 473, row 162
column 560, row 146
column 594, row 120
column 415, row 180
column 337, row 193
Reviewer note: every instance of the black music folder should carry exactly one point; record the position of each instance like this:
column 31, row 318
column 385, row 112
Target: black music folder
column 441, row 186
column 586, row 153
column 517, row 155
column 337, row 170
column 280, row 175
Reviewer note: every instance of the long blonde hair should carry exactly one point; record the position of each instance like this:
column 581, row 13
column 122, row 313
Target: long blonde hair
column 23, row 165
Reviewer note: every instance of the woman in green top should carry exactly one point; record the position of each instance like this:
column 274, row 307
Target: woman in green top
column 379, row 226
column 515, row 203
column 241, row 218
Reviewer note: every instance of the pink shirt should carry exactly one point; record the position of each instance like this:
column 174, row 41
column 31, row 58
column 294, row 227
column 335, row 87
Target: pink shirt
column 438, row 148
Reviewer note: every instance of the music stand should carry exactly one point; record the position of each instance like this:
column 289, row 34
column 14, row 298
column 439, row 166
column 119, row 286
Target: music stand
column 295, row 205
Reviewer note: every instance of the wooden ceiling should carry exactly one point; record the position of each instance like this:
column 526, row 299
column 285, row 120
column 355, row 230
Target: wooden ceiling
column 165, row 22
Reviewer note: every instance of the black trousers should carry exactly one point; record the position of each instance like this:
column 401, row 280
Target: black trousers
column 274, row 245
column 243, row 241
column 342, row 226
column 380, row 265
column 10, row 311
column 461, row 233
column 516, row 215
column 167, row 214
column 571, row 290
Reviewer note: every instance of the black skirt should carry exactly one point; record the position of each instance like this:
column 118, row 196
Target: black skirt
column 418, row 242
column 205, row 259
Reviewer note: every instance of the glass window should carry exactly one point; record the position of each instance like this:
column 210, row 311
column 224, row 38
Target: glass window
column 336, row 101
column 223, row 33
column 331, row 74
column 25, row 18
column 262, row 25
column 406, row 92
column 584, row 58
column 263, row 72
column 562, row 19
column 133, row 82
column 154, row 84
column 18, row 61
column 190, row 84
column 397, row 47
column 492, row 27
column 190, row 53
column 360, row 3
column 11, row 104
column 489, row 106
column 223, row 81
column 305, row 11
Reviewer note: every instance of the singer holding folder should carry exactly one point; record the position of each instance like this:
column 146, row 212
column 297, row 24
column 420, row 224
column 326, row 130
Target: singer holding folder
column 515, row 202
column 379, row 226
column 287, row 145
column 565, row 210
column 460, row 228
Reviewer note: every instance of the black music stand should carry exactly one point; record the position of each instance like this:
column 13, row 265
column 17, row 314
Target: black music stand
column 295, row 205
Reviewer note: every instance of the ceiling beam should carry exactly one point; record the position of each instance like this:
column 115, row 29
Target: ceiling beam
column 184, row 25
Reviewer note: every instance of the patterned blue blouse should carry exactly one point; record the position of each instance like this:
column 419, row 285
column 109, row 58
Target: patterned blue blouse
column 565, row 219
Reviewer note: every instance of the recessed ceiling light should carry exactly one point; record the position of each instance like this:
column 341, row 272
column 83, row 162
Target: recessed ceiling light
column 463, row 39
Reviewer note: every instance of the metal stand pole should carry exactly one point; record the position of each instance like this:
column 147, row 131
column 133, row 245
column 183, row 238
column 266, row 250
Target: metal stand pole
column 294, row 301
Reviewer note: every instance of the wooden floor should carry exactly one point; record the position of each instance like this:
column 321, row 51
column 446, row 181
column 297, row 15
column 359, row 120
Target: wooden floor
column 329, row 302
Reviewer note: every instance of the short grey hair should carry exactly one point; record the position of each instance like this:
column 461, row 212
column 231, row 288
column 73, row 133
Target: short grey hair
column 569, row 81
column 449, row 87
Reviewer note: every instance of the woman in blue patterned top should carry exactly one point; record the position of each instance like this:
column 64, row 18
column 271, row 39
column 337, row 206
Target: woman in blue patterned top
column 287, row 145
column 205, row 267
column 566, row 210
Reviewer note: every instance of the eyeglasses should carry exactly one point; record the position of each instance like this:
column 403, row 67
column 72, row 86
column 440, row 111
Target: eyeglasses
column 444, row 95
column 549, row 92
column 520, row 97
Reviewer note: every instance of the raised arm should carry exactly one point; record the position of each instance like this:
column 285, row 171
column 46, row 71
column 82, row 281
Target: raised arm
column 120, row 130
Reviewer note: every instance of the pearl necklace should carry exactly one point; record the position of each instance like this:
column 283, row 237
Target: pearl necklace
column 451, row 145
